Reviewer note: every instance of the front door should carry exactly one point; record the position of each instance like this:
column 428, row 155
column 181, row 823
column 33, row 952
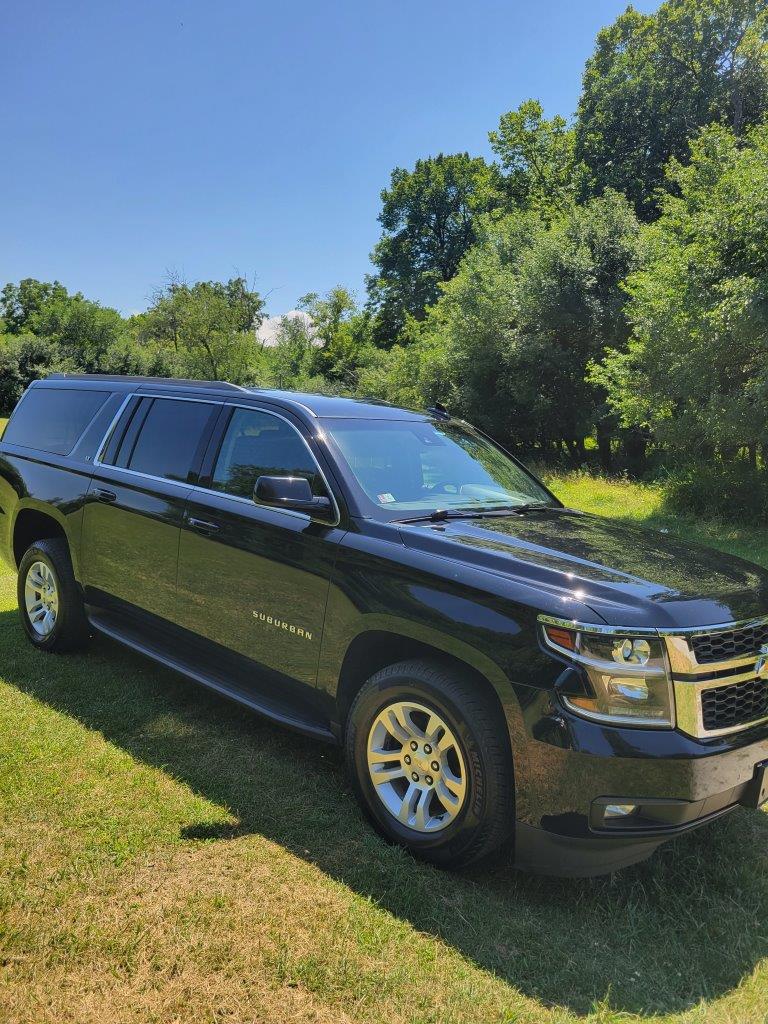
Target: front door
column 253, row 579
column 136, row 499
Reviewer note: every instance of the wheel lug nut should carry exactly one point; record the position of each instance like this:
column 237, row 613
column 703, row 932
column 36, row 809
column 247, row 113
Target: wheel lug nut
column 414, row 745
column 415, row 776
column 435, row 766
column 429, row 780
column 427, row 748
column 407, row 758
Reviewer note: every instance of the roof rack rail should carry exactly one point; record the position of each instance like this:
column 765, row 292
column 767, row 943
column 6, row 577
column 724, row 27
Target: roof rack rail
column 155, row 381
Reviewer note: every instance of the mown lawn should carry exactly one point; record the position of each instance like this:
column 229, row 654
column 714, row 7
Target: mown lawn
column 167, row 857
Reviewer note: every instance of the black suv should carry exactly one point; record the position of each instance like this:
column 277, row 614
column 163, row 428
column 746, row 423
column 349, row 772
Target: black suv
column 502, row 671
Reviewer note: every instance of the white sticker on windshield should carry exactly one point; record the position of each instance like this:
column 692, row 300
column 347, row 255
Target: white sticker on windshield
column 386, row 497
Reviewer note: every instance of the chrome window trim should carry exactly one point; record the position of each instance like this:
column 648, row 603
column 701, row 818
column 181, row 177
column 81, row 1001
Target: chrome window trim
column 110, row 430
column 305, row 516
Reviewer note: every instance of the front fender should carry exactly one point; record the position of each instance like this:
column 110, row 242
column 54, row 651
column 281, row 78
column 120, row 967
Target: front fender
column 334, row 651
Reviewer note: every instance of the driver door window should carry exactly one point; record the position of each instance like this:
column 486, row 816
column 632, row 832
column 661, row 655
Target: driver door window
column 259, row 444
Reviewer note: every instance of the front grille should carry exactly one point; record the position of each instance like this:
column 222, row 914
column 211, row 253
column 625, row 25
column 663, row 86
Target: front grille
column 724, row 707
column 729, row 643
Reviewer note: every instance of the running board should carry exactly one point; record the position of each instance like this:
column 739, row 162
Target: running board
column 123, row 634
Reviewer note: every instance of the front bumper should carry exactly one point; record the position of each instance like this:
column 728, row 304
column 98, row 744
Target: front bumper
column 568, row 769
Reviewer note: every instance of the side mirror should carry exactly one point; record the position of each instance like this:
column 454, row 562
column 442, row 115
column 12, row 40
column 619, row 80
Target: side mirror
column 291, row 492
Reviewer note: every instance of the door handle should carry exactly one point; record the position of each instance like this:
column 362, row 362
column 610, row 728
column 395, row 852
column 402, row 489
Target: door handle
column 103, row 494
column 202, row 526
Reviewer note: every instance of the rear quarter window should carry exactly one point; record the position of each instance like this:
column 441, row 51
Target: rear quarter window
column 52, row 419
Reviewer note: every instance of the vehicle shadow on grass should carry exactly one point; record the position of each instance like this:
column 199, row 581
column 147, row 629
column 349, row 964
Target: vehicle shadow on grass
column 687, row 925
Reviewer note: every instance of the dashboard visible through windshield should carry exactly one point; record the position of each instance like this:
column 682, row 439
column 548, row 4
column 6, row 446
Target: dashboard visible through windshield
column 407, row 466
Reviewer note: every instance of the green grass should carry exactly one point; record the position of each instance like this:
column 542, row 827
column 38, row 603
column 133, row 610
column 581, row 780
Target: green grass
column 168, row 857
column 644, row 505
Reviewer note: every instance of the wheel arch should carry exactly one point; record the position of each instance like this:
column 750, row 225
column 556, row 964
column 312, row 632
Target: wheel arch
column 375, row 648
column 32, row 524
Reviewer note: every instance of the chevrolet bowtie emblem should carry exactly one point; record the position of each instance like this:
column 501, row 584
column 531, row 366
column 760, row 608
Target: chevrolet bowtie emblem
column 761, row 665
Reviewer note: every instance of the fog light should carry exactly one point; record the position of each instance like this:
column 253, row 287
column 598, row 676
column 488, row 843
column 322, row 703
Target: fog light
column 619, row 810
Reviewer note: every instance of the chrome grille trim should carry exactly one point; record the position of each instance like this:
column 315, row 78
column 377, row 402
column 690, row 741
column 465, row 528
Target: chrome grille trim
column 691, row 679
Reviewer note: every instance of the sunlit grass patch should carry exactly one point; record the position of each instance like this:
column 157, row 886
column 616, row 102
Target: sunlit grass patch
column 643, row 503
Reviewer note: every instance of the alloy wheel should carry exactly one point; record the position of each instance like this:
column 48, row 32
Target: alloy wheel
column 416, row 766
column 41, row 598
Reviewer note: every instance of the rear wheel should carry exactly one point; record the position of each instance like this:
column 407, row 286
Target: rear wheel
column 429, row 762
column 50, row 602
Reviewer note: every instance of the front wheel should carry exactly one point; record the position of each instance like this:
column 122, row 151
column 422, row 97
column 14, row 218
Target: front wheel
column 429, row 762
column 50, row 602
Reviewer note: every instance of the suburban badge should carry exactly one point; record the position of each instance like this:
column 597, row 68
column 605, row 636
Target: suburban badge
column 288, row 627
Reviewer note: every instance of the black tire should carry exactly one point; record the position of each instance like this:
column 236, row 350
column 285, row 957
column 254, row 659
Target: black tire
column 485, row 824
column 70, row 630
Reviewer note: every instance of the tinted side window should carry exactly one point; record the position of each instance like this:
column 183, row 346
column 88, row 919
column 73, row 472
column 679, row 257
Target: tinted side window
column 170, row 439
column 258, row 444
column 52, row 420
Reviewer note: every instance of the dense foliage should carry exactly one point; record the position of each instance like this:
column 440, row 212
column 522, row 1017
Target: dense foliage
column 599, row 291
column 655, row 79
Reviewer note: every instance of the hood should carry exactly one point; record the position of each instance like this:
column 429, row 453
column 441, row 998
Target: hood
column 628, row 575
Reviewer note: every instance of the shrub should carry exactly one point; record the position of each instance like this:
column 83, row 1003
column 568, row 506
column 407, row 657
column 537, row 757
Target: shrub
column 720, row 491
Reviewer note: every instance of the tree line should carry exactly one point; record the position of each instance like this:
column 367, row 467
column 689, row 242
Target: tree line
column 598, row 291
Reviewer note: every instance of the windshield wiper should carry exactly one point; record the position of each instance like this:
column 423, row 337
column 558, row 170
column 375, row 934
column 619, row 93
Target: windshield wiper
column 441, row 514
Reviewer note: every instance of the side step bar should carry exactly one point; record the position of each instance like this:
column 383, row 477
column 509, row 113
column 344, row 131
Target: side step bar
column 123, row 634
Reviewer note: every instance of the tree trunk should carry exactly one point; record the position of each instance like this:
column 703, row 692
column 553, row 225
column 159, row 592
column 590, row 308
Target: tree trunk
column 603, row 431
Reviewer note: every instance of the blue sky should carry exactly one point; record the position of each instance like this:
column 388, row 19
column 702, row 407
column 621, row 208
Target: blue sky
column 214, row 138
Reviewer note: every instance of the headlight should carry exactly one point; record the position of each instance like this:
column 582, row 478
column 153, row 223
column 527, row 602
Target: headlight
column 626, row 676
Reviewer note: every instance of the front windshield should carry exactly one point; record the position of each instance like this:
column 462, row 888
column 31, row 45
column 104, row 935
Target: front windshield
column 419, row 467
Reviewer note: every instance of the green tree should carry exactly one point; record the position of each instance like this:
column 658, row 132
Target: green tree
column 24, row 358
column 344, row 333
column 465, row 344
column 570, row 305
column 537, row 157
column 508, row 343
column 20, row 302
column 696, row 369
column 428, row 219
column 655, row 79
column 208, row 325
column 83, row 330
column 80, row 331
column 291, row 361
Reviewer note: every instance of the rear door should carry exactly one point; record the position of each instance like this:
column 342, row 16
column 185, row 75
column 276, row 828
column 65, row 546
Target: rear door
column 255, row 580
column 135, row 503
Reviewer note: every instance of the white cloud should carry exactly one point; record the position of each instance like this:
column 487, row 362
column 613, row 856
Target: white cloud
column 267, row 332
